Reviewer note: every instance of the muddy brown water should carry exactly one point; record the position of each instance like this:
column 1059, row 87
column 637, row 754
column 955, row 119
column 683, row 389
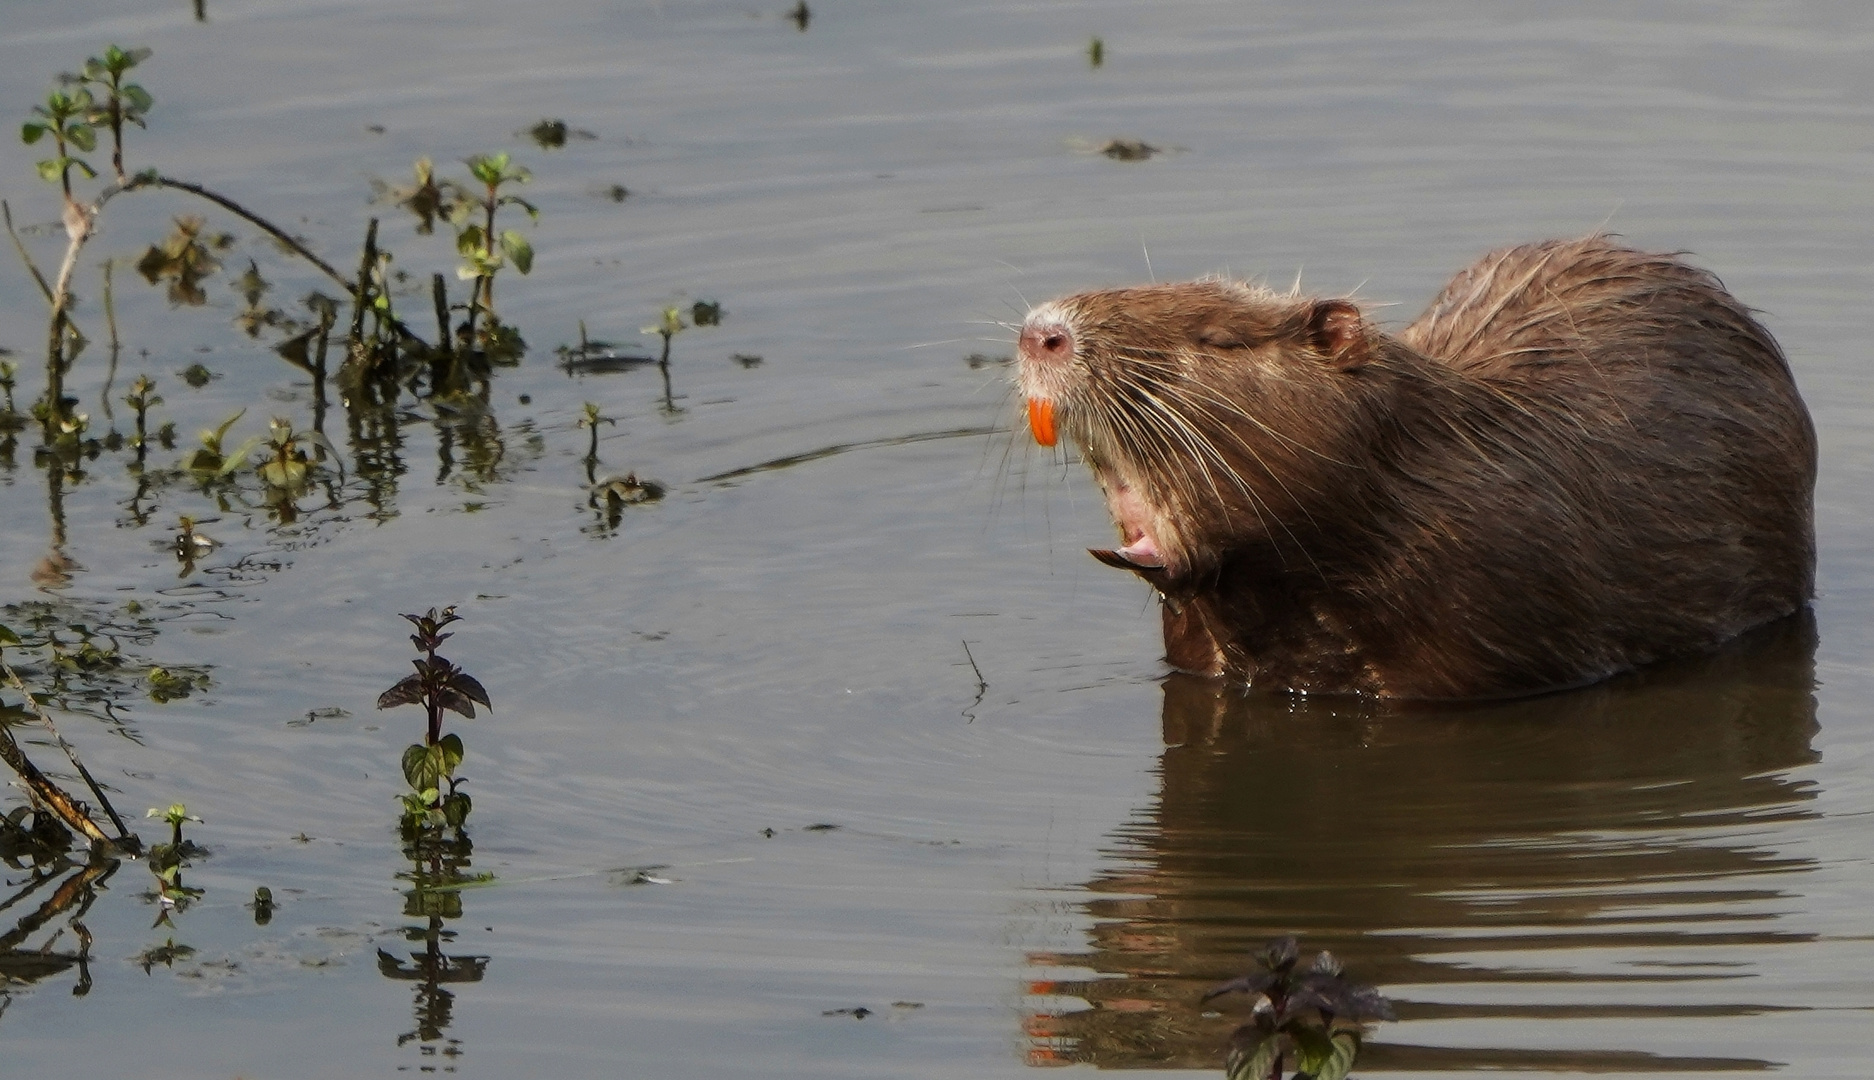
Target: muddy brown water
column 1667, row 873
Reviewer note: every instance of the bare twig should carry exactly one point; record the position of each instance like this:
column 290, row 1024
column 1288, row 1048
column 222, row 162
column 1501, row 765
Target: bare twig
column 982, row 684
column 81, row 222
column 25, row 256
column 60, row 802
column 45, row 791
column 254, row 219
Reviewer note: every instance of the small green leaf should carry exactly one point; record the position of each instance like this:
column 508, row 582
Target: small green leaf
column 1255, row 1064
column 8, row 637
column 240, row 453
column 518, row 249
column 31, row 132
column 418, row 768
column 49, row 170
column 82, row 136
column 451, row 747
column 136, row 98
column 1312, row 1049
column 122, row 60
column 1340, row 1062
column 469, row 241
column 80, row 165
column 532, row 210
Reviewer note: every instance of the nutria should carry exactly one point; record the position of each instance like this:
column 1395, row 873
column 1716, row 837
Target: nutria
column 1580, row 459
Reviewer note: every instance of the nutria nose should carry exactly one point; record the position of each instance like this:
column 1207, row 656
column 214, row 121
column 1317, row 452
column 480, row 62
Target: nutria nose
column 1046, row 341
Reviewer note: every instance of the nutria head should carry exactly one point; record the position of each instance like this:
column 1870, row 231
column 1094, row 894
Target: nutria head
column 1216, row 415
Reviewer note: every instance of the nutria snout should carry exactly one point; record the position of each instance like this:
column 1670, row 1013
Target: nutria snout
column 1580, row 459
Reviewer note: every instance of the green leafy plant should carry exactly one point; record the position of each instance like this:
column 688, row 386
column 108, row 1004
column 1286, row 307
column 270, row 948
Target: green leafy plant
column 429, row 766
column 141, row 398
column 287, row 460
column 123, row 102
column 103, row 97
column 168, row 860
column 668, row 326
column 485, row 250
column 1310, row 1020
column 592, row 420
column 210, row 458
column 66, row 117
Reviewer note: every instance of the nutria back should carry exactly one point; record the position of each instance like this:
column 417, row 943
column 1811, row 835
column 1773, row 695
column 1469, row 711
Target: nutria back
column 1580, row 459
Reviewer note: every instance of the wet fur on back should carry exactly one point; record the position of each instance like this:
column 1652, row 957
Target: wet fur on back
column 1580, row 459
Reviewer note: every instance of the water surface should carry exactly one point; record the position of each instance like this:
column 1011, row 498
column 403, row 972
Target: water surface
column 1665, row 873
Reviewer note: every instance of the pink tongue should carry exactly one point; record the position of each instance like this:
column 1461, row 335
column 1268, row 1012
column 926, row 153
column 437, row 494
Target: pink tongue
column 1133, row 516
column 1142, row 552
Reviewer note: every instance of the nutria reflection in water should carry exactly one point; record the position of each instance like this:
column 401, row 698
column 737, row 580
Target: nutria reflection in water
column 1605, row 854
column 1579, row 460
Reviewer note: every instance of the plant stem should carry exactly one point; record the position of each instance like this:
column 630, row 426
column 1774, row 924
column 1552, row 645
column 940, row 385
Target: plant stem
column 25, row 256
column 361, row 292
column 110, row 377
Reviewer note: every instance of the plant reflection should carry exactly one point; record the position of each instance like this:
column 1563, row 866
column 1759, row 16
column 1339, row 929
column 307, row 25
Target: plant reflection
column 439, row 871
column 1507, row 863
column 71, row 898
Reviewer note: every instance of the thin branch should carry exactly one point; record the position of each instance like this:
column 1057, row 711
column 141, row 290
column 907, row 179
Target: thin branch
column 982, row 685
column 25, row 256
column 82, row 222
column 37, row 781
column 47, row 792
column 254, row 219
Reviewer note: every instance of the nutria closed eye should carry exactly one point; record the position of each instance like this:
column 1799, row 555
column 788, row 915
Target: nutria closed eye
column 1580, row 459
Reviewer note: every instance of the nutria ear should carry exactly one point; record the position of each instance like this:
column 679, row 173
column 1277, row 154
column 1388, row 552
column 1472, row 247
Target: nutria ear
column 1338, row 333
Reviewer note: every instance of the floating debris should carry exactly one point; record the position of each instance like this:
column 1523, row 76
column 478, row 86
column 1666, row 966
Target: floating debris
column 1129, row 150
column 552, row 134
column 628, row 490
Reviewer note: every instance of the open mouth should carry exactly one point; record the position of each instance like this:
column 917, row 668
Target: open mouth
column 1135, row 517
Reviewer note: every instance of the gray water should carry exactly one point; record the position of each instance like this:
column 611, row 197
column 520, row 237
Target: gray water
column 1666, row 873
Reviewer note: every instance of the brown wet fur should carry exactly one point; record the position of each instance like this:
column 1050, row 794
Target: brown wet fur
column 1581, row 459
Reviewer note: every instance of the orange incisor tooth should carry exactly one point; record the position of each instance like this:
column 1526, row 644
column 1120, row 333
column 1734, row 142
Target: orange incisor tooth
column 1041, row 420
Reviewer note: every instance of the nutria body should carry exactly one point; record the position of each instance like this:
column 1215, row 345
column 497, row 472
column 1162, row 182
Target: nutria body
column 1580, row 459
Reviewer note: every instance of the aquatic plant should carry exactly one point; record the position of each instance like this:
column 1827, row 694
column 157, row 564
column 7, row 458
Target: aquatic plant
column 592, row 420
column 141, row 398
column 168, row 860
column 1311, row 1019
column 429, row 766
column 484, row 250
column 668, row 325
column 287, row 461
column 382, row 349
